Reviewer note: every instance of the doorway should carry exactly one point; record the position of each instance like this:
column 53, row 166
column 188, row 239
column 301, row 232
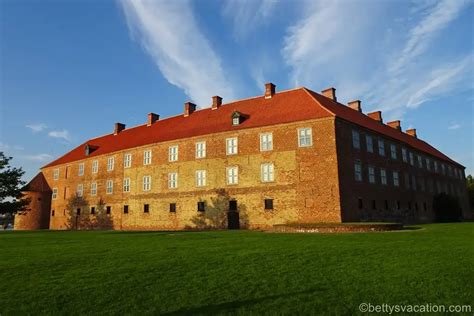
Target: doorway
column 233, row 221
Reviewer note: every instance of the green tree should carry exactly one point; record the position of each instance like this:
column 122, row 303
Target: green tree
column 470, row 190
column 11, row 198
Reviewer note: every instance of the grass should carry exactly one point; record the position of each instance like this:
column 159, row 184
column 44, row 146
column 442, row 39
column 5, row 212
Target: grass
column 237, row 272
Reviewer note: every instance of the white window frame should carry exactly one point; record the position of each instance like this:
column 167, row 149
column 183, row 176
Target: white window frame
column 126, row 185
column 147, row 157
column 56, row 174
column 358, row 171
column 200, row 150
column 383, row 176
column 127, row 160
column 305, row 137
column 232, row 144
column 201, row 178
column 232, row 175
column 80, row 170
column 355, row 139
column 381, row 146
column 55, row 194
column 236, row 120
column 266, row 141
column 95, row 166
column 109, row 187
column 93, row 188
column 173, row 153
column 396, row 179
column 369, row 143
column 393, row 151
column 371, row 173
column 110, row 163
column 172, row 180
column 146, row 183
column 267, row 172
column 80, row 190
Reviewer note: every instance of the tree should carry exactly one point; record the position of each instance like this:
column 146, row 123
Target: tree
column 470, row 190
column 11, row 197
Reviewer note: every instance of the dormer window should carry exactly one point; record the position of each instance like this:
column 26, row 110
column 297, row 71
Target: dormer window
column 89, row 149
column 238, row 118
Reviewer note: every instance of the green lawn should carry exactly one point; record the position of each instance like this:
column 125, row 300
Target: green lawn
column 233, row 271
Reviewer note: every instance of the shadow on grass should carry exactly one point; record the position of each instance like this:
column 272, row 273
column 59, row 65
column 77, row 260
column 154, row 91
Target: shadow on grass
column 232, row 306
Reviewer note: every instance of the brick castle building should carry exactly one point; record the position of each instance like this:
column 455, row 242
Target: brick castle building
column 291, row 156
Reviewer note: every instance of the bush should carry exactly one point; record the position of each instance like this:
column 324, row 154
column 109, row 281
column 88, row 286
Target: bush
column 446, row 208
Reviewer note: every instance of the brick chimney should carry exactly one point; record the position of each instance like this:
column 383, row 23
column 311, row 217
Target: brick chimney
column 355, row 105
column 330, row 93
column 377, row 115
column 189, row 108
column 269, row 90
column 395, row 125
column 411, row 132
column 216, row 102
column 152, row 118
column 118, row 128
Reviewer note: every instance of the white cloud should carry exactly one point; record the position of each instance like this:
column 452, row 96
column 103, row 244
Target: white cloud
column 37, row 127
column 437, row 18
column 454, row 126
column 246, row 15
column 64, row 134
column 38, row 157
column 169, row 33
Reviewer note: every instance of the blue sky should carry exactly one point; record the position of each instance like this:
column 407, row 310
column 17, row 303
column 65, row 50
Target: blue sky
column 70, row 69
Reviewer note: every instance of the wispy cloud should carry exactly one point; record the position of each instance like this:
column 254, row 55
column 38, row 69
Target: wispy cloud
column 437, row 17
column 64, row 134
column 169, row 33
column 37, row 127
column 454, row 126
column 38, row 157
column 246, row 15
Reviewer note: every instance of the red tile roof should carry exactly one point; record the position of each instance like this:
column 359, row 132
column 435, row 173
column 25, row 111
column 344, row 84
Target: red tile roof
column 284, row 107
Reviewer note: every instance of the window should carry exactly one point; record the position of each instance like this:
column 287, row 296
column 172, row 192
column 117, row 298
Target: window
column 421, row 182
column 232, row 175
column 443, row 169
column 398, row 204
column 95, row 166
column 125, row 209
column 93, row 188
column 420, row 162
column 268, row 204
column 266, row 142
column 200, row 178
column 80, row 171
column 172, row 180
column 413, row 182
column 305, row 137
column 386, row 204
column 396, row 180
column 92, row 210
column 146, row 208
column 146, row 183
column 127, row 160
column 407, row 180
column 147, row 157
column 173, row 153
column 424, row 206
column 78, row 211
column 109, row 188
column 201, row 206
column 371, row 174
column 55, row 174
column 428, row 164
column 231, row 146
column 201, row 150
column 172, row 207
column 52, row 212
column 355, row 139
column 383, row 176
column 369, row 143
column 374, row 205
column 67, row 172
column 80, row 190
column 404, row 154
column 412, row 159
column 381, row 147
column 267, row 172
column 358, row 171
column 436, row 166
column 393, row 151
column 110, row 163
column 108, row 210
column 126, row 185
column 235, row 120
column 55, row 193
column 360, row 203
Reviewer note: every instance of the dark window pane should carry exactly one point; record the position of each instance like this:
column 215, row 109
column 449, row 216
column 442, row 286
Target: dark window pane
column 269, row 204
column 172, row 207
column 146, row 208
column 125, row 209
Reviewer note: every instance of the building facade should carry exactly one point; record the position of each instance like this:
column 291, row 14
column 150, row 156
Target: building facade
column 292, row 156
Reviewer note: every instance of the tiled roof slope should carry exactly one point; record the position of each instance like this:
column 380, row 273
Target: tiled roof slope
column 284, row 107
